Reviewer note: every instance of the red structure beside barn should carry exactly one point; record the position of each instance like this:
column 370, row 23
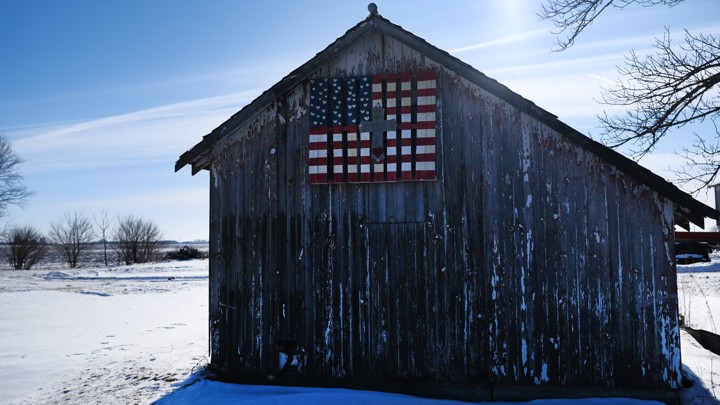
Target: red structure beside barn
column 388, row 217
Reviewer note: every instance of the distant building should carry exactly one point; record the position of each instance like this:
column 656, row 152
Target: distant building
column 388, row 217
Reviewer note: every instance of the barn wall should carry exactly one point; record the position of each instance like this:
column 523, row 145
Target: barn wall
column 529, row 260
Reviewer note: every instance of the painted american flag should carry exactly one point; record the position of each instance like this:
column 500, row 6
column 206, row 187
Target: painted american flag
column 373, row 128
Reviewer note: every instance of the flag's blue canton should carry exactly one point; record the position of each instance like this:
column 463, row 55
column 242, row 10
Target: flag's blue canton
column 351, row 101
column 318, row 102
column 337, row 103
column 365, row 98
column 347, row 94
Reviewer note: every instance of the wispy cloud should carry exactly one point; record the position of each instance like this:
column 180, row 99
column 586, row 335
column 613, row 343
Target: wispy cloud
column 501, row 41
column 136, row 136
column 601, row 78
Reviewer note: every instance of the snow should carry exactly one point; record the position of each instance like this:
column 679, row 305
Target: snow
column 699, row 294
column 698, row 300
column 138, row 334
column 122, row 334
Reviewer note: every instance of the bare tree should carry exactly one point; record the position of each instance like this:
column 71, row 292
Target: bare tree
column 137, row 239
column 71, row 235
column 12, row 191
column 104, row 222
column 675, row 86
column 573, row 16
column 25, row 247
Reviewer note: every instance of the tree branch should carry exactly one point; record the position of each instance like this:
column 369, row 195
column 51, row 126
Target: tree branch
column 666, row 90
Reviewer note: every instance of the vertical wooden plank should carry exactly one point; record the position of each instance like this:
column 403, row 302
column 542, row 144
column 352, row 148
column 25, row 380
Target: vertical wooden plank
column 408, row 285
column 379, row 299
column 364, row 298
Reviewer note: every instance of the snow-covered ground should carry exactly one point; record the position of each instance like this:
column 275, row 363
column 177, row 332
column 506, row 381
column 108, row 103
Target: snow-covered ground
column 699, row 302
column 106, row 335
column 138, row 334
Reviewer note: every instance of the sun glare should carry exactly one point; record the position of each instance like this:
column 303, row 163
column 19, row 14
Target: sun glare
column 513, row 14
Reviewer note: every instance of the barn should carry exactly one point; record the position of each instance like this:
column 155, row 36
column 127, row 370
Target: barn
column 388, row 217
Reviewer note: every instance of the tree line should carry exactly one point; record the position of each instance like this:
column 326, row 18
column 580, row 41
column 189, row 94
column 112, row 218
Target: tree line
column 133, row 239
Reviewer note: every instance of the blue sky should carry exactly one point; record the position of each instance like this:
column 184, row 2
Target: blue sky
column 101, row 97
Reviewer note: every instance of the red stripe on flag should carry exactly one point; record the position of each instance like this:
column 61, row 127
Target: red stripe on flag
column 432, row 91
column 333, row 130
column 406, row 109
column 425, row 157
column 408, row 93
column 418, row 125
column 322, row 161
column 318, row 178
column 317, row 145
column 425, row 108
column 425, row 175
column 429, row 92
column 425, row 141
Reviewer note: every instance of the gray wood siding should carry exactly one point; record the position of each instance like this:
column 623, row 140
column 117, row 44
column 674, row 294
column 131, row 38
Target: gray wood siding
column 529, row 260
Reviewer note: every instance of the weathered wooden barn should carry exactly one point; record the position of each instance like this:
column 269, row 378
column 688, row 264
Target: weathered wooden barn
column 386, row 216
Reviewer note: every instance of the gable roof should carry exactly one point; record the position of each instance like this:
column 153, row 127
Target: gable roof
column 687, row 209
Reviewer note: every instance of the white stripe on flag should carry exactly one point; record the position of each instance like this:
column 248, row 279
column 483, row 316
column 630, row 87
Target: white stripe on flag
column 318, row 138
column 425, row 166
column 318, row 169
column 318, row 153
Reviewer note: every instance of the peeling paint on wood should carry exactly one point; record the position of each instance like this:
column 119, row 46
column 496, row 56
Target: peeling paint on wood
column 529, row 261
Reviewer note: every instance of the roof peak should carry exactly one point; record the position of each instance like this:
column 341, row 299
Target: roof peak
column 372, row 8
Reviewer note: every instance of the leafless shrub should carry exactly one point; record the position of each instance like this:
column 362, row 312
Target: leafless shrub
column 25, row 247
column 71, row 235
column 137, row 239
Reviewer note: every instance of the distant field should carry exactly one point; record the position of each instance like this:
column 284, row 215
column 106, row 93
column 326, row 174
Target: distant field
column 93, row 256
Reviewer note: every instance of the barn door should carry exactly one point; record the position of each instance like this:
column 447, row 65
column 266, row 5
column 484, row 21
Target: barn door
column 423, row 319
column 397, row 286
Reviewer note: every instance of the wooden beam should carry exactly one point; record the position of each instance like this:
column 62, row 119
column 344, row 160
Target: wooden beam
column 697, row 236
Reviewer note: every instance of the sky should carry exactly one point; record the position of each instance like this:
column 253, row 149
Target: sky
column 101, row 98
